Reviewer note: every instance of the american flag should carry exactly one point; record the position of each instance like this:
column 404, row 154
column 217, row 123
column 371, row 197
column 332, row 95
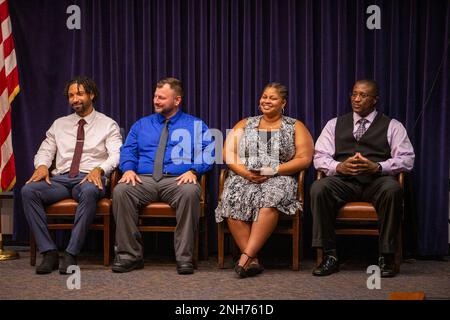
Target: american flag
column 9, row 88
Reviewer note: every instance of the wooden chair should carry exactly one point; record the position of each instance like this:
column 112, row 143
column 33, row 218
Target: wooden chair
column 162, row 210
column 290, row 225
column 360, row 218
column 65, row 209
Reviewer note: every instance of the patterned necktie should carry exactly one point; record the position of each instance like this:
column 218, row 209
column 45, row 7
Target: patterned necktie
column 159, row 158
column 361, row 129
column 75, row 166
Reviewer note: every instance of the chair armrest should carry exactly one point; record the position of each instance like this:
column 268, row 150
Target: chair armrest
column 203, row 186
column 401, row 179
column 114, row 179
column 301, row 186
column 319, row 175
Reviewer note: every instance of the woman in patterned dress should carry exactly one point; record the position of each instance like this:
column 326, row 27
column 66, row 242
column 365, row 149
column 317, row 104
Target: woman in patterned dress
column 264, row 153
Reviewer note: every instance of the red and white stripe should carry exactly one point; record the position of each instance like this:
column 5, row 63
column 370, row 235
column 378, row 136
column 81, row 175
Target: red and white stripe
column 9, row 88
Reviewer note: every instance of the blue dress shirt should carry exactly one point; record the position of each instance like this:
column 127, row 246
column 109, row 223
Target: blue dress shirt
column 189, row 145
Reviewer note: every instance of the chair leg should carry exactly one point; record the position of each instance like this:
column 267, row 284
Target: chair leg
column 319, row 252
column 295, row 244
column 196, row 245
column 32, row 250
column 112, row 238
column 398, row 251
column 106, row 240
column 205, row 238
column 220, row 245
column 300, row 241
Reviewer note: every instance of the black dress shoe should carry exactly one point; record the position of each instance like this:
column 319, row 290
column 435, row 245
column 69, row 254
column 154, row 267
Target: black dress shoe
column 185, row 267
column 387, row 266
column 126, row 265
column 68, row 260
column 328, row 266
column 49, row 262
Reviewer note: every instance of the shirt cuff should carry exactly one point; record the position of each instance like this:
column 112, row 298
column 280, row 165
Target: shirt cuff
column 42, row 164
column 333, row 168
column 385, row 168
column 127, row 167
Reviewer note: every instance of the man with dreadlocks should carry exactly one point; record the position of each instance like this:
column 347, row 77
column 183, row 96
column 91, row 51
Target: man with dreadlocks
column 83, row 147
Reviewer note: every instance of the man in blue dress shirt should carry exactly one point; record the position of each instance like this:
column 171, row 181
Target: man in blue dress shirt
column 161, row 160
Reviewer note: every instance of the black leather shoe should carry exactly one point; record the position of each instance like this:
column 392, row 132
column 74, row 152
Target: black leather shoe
column 126, row 265
column 185, row 267
column 68, row 260
column 387, row 266
column 49, row 262
column 328, row 266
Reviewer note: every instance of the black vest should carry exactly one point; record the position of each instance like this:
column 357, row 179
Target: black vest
column 373, row 144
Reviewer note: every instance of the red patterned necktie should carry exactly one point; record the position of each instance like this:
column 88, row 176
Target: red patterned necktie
column 75, row 166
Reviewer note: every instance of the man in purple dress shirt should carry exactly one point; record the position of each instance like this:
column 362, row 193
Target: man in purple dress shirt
column 360, row 154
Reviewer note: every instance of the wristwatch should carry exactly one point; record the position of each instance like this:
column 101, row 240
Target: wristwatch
column 380, row 168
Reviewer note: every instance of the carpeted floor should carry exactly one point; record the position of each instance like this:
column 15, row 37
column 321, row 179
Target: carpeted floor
column 159, row 280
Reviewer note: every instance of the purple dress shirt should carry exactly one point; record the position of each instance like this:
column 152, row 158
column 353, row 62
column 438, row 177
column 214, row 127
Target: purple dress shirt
column 402, row 151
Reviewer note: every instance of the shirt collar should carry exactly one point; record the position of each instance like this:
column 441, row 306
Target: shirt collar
column 89, row 118
column 370, row 117
column 172, row 119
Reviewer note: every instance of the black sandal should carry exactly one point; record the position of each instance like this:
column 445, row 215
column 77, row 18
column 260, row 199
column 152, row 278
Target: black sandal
column 254, row 269
column 242, row 270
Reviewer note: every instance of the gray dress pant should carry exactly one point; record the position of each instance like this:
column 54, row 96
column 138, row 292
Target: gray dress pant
column 127, row 201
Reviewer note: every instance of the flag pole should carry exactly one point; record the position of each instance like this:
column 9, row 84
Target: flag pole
column 6, row 254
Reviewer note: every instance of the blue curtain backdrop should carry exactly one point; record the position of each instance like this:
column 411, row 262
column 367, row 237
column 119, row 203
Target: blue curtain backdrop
column 225, row 52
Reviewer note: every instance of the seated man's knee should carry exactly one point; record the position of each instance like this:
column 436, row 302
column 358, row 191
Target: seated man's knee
column 190, row 191
column 89, row 190
column 121, row 190
column 27, row 191
column 392, row 189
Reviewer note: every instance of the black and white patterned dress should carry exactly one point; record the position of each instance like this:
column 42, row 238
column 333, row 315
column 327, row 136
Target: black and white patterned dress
column 241, row 198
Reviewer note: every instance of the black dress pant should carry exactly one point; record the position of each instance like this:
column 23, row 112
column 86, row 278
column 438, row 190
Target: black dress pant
column 329, row 194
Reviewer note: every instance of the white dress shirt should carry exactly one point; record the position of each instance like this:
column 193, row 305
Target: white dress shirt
column 101, row 144
column 402, row 152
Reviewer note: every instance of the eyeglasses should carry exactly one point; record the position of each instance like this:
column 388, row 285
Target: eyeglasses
column 354, row 95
